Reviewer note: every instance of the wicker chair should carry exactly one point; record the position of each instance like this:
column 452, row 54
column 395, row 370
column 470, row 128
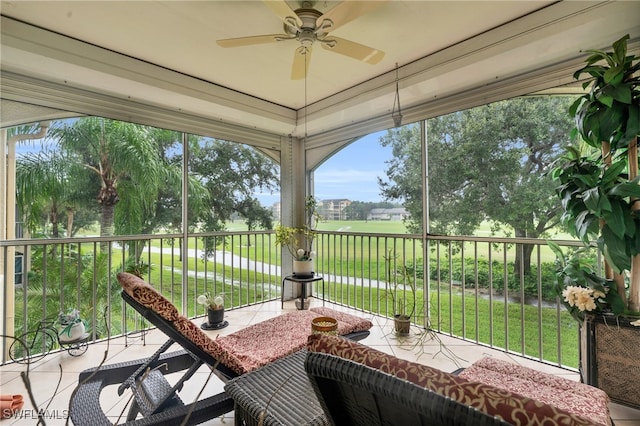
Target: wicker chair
column 354, row 394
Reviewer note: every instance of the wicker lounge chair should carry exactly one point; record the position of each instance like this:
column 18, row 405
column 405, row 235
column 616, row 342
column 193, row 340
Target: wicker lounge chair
column 355, row 394
column 358, row 385
column 154, row 397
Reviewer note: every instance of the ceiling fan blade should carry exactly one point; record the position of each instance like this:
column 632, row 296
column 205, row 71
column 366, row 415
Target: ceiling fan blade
column 301, row 59
column 282, row 9
column 353, row 50
column 247, row 41
column 347, row 11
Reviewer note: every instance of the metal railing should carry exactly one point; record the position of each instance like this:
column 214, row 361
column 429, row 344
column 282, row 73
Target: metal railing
column 497, row 292
column 484, row 290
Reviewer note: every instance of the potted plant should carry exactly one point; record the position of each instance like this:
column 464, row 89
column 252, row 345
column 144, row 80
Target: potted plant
column 581, row 289
column 215, row 310
column 72, row 326
column 600, row 192
column 402, row 291
column 299, row 240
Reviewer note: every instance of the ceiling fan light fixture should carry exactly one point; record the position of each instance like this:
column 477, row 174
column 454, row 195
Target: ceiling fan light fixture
column 396, row 115
column 308, row 25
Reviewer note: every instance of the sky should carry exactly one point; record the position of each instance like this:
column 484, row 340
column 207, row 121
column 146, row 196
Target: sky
column 351, row 173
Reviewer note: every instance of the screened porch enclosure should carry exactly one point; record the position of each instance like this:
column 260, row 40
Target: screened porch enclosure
column 509, row 313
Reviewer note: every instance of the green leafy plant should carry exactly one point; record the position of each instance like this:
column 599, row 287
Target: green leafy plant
column 600, row 189
column 594, row 294
column 610, row 112
column 299, row 241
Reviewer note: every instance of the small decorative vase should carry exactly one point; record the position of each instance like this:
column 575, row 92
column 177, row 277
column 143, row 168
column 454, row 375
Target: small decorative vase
column 303, row 268
column 72, row 332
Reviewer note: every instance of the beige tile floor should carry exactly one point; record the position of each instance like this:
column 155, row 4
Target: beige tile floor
column 435, row 350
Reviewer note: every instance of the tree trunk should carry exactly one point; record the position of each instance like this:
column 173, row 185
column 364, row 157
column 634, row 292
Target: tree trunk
column 53, row 217
column 106, row 225
column 523, row 257
column 609, row 273
column 107, row 198
column 634, row 284
column 69, row 222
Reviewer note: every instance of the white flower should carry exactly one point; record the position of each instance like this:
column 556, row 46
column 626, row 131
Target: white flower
column 300, row 252
column 210, row 301
column 580, row 297
column 218, row 301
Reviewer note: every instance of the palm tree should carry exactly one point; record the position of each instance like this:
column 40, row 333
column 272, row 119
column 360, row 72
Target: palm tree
column 48, row 183
column 124, row 159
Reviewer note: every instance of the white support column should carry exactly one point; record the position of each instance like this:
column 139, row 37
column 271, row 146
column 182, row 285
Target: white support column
column 293, row 187
column 5, row 329
column 8, row 220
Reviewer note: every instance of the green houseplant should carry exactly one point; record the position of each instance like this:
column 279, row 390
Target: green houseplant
column 299, row 240
column 599, row 190
column 72, row 326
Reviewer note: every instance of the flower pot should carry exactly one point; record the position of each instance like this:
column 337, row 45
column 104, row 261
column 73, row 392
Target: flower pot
column 609, row 357
column 71, row 332
column 215, row 316
column 303, row 268
column 402, row 324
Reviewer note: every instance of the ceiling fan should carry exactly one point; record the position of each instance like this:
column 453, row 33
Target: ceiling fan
column 308, row 25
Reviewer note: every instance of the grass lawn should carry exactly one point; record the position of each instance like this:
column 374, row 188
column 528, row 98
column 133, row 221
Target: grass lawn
column 453, row 314
column 347, row 255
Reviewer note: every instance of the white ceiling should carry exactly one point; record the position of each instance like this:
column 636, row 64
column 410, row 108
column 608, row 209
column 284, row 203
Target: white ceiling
column 156, row 60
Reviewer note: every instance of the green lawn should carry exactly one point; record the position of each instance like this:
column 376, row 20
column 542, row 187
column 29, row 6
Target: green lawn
column 492, row 319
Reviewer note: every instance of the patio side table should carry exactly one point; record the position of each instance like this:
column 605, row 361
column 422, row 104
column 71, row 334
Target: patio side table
column 303, row 291
column 281, row 390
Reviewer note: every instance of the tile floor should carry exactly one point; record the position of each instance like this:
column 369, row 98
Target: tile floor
column 436, row 350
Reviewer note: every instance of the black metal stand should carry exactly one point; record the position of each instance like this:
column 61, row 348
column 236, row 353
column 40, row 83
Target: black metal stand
column 303, row 283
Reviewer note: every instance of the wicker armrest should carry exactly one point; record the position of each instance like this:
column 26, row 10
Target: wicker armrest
column 280, row 390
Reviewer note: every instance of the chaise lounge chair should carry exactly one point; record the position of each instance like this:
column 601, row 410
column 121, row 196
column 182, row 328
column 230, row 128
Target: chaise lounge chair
column 156, row 400
column 336, row 381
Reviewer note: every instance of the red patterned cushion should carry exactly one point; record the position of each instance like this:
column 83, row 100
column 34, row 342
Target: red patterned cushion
column 147, row 296
column 198, row 337
column 574, row 397
column 259, row 344
column 509, row 406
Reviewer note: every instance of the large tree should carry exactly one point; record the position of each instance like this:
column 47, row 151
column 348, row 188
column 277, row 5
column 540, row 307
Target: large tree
column 232, row 172
column 50, row 187
column 485, row 164
column 125, row 161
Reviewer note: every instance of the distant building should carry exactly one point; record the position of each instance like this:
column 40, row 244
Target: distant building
column 396, row 213
column 334, row 209
column 276, row 211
